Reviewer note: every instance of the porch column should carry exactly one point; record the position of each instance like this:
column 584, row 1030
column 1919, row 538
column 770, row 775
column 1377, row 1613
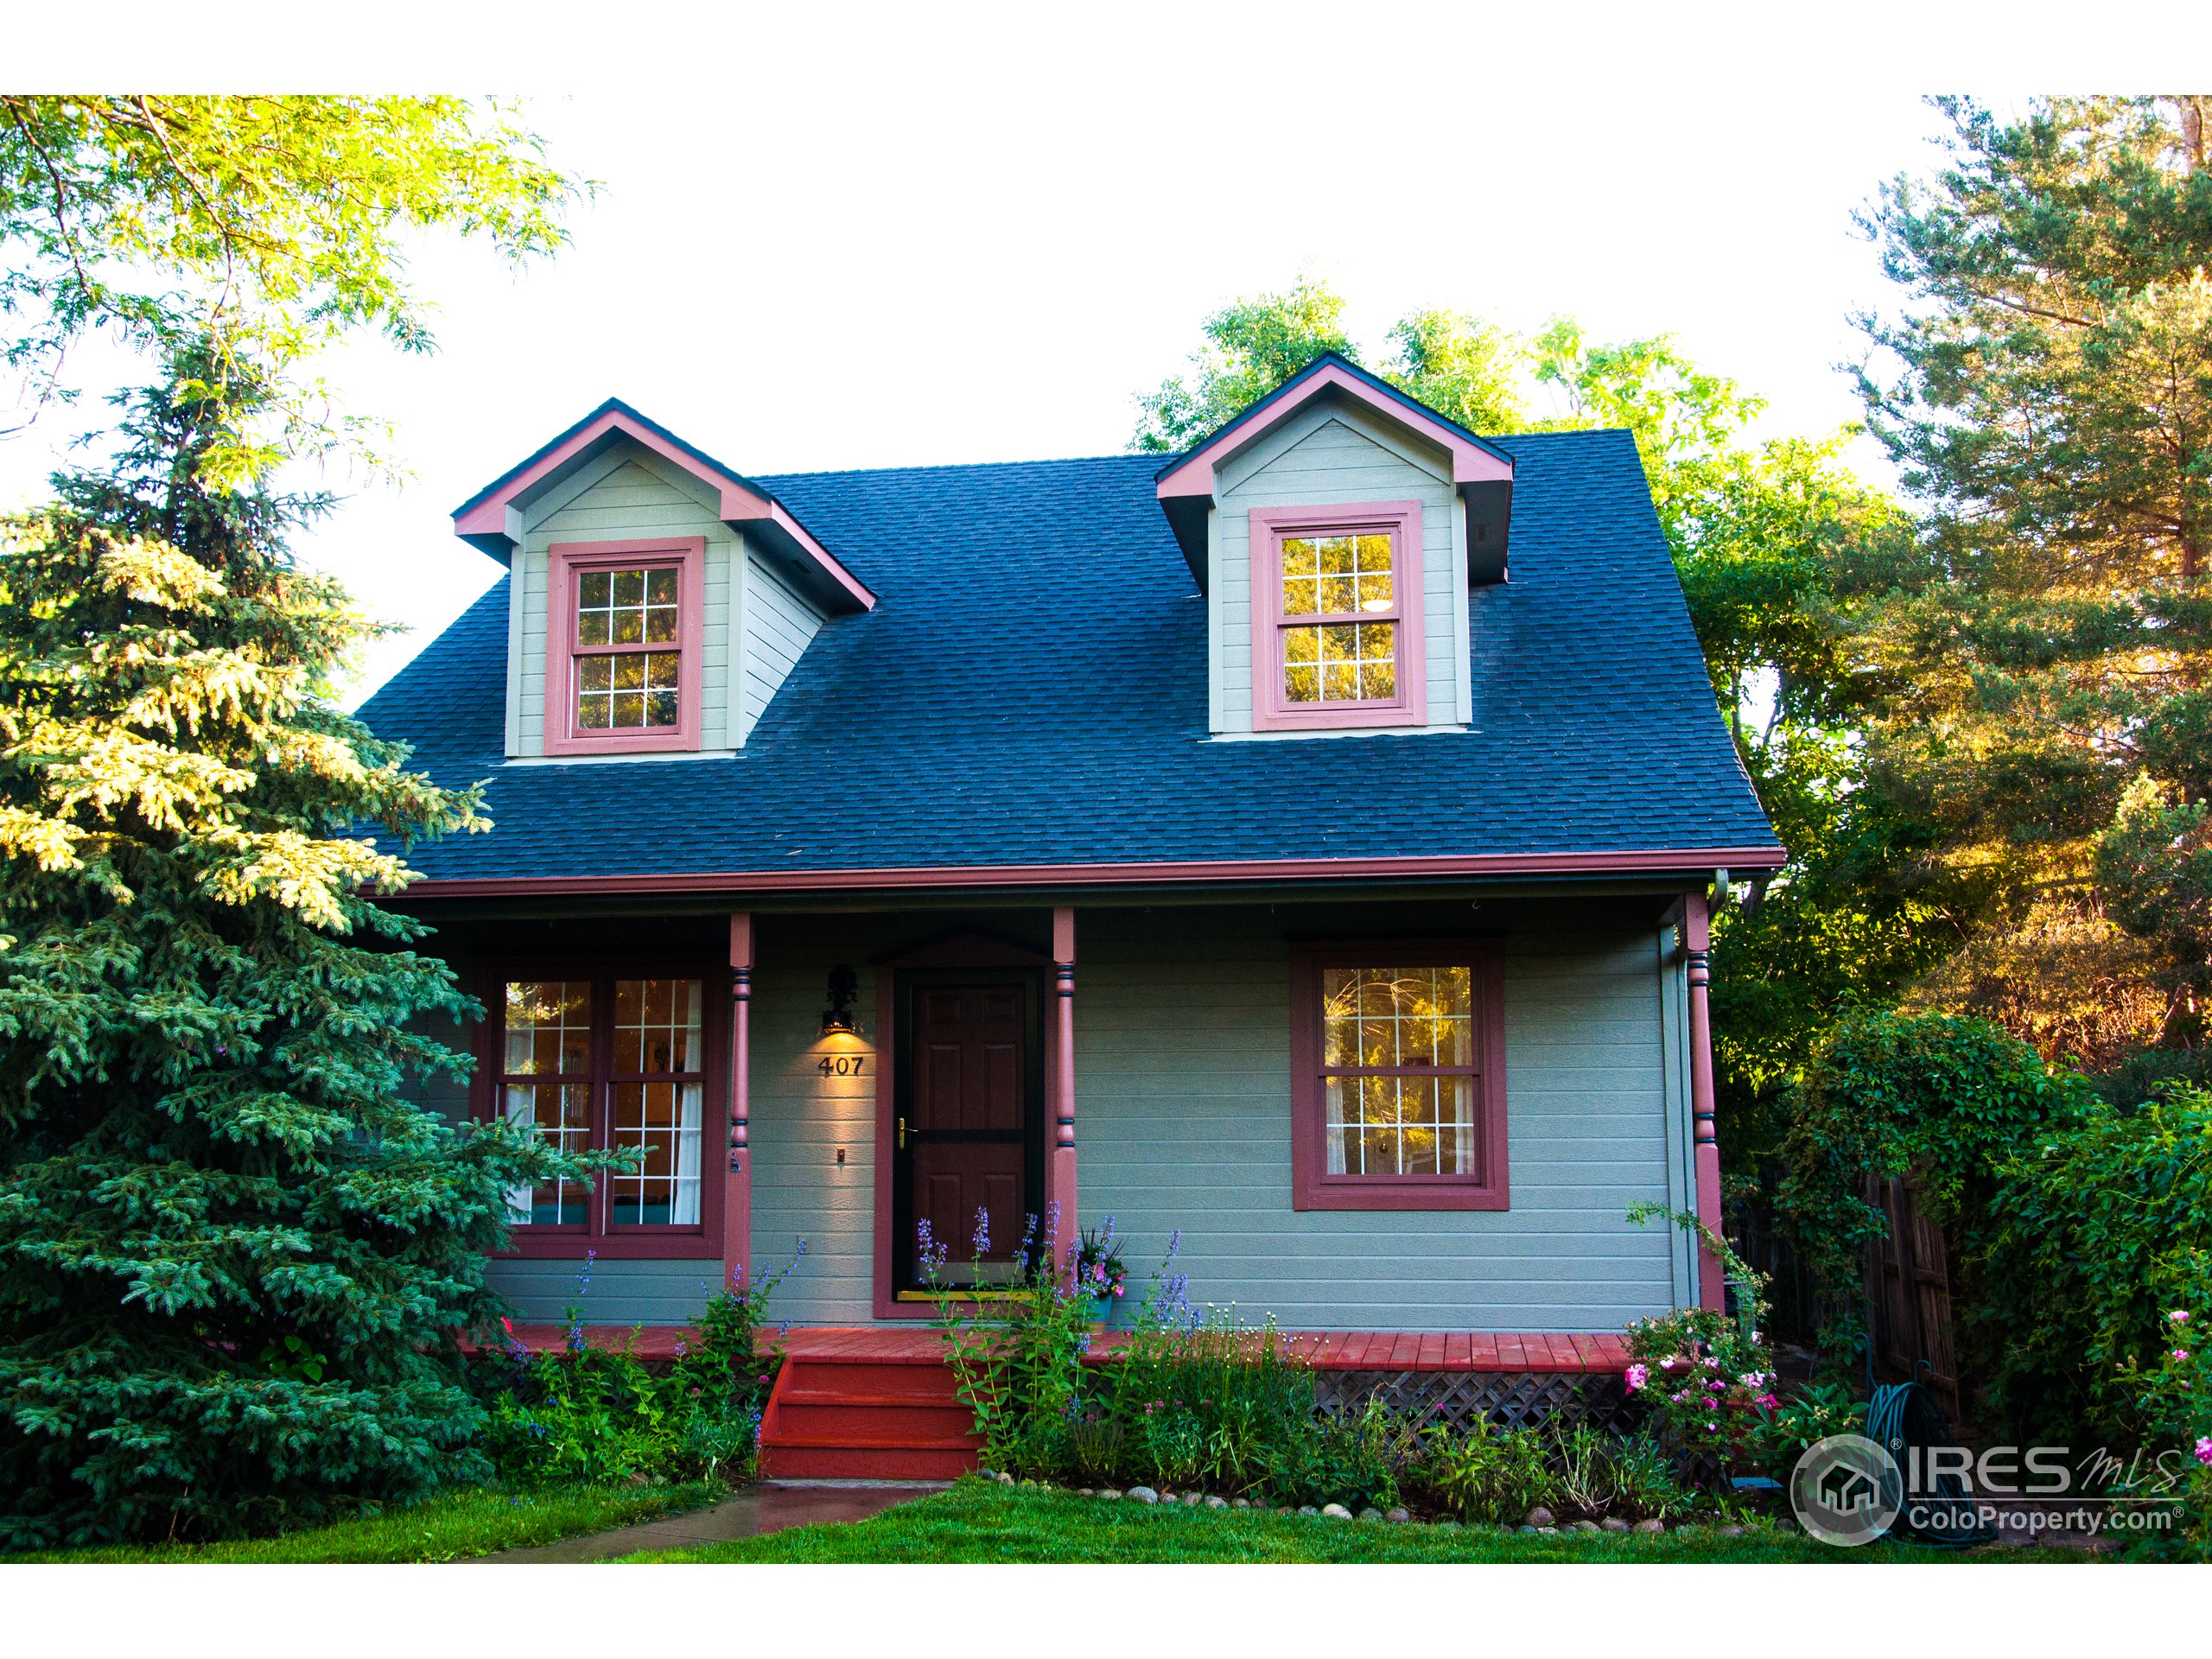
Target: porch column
column 1060, row 1175
column 1697, row 943
column 737, row 1194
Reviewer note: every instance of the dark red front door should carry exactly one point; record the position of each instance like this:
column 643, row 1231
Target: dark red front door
column 965, row 1131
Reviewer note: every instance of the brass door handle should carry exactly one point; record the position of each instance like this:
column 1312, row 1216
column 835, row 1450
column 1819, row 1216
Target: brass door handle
column 902, row 1134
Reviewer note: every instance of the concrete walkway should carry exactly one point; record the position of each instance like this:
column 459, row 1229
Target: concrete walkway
column 742, row 1515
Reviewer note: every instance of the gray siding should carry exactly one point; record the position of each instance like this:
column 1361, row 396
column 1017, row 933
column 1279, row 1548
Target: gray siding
column 629, row 494
column 1183, row 1081
column 1328, row 455
column 799, row 1119
column 1183, row 1116
column 779, row 625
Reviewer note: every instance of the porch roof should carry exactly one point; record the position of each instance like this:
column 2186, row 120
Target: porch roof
column 1031, row 696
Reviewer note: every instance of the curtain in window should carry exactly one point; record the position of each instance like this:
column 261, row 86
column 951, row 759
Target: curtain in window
column 685, row 1211
column 521, row 1112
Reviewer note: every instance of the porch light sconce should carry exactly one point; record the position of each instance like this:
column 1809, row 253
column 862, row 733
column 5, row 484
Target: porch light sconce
column 838, row 1020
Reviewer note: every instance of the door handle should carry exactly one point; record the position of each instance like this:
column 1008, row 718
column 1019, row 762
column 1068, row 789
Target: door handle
column 902, row 1134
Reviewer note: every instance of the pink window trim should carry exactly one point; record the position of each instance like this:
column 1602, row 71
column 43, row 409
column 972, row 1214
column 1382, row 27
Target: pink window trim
column 568, row 560
column 658, row 1241
column 1311, row 1187
column 1271, row 712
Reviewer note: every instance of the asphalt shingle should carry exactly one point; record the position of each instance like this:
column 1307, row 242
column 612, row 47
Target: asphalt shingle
column 1031, row 689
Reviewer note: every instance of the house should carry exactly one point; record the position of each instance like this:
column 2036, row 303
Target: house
column 1306, row 847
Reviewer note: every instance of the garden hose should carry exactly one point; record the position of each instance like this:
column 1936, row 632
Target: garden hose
column 1903, row 1418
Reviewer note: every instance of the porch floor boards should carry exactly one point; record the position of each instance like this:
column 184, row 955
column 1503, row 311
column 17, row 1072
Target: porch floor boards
column 1325, row 1351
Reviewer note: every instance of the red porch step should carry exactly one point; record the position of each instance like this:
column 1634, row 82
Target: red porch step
column 865, row 1417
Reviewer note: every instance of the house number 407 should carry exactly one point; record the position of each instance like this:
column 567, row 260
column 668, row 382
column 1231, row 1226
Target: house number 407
column 842, row 1065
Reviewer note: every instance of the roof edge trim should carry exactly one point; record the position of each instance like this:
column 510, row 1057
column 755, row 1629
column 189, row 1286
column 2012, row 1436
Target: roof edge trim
column 1684, row 861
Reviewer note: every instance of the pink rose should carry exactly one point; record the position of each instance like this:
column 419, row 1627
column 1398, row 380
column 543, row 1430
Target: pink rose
column 1636, row 1377
column 2204, row 1450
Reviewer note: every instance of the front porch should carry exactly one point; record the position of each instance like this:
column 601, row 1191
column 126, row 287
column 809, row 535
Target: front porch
column 877, row 1404
column 1574, row 1352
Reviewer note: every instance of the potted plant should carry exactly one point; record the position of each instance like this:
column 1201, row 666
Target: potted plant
column 1097, row 1273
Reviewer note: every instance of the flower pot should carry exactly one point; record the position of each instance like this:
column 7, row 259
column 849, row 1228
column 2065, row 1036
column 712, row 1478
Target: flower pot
column 1101, row 1309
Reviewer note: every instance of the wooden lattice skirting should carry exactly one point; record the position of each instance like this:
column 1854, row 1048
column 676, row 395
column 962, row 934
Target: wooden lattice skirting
column 1511, row 1399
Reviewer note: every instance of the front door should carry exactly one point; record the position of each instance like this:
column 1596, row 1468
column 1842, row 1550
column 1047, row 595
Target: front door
column 967, row 1137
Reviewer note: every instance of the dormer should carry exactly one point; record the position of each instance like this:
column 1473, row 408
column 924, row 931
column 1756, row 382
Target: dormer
column 658, row 598
column 1337, row 527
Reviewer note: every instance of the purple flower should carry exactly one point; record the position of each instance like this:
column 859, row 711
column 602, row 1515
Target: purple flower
column 2204, row 1450
column 1107, row 1236
column 982, row 1231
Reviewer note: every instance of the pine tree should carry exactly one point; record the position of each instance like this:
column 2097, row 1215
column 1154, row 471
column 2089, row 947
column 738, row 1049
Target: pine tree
column 2049, row 644
column 234, row 1260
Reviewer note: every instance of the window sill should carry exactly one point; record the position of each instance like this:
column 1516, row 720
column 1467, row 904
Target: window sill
column 1395, row 1195
column 679, row 1244
column 597, row 758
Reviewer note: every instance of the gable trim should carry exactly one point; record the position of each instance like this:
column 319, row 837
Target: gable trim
column 490, row 520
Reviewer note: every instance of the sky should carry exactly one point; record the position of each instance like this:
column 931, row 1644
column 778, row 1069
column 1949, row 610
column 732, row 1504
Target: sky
column 854, row 238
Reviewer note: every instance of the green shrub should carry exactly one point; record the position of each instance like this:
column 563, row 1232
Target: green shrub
column 2095, row 1231
column 1493, row 1478
column 1944, row 1101
column 590, row 1415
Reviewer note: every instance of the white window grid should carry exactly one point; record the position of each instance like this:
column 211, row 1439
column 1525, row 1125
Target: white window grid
column 1339, row 628
column 1398, row 1058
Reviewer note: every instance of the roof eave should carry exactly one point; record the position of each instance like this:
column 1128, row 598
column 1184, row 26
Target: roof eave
column 491, row 520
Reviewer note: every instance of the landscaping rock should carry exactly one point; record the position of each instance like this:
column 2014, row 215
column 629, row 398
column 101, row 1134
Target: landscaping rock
column 1524, row 1529
column 1108, row 1492
column 1614, row 1523
column 1241, row 1504
column 987, row 1474
column 1004, row 1478
column 1191, row 1500
column 1448, row 1526
column 1084, row 1491
column 1143, row 1495
column 1336, row 1512
column 1370, row 1513
column 1582, row 1525
column 1553, row 1531
column 1401, row 1516
column 1308, row 1509
column 1214, row 1502
column 1538, row 1516
column 1649, row 1526
column 1732, row 1532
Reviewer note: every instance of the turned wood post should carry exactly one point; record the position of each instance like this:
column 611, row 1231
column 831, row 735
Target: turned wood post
column 737, row 1196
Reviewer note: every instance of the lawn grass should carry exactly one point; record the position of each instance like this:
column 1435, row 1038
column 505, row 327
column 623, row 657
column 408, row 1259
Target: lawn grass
column 981, row 1521
column 451, row 1527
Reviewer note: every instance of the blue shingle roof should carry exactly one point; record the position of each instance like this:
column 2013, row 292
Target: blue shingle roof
column 1031, row 689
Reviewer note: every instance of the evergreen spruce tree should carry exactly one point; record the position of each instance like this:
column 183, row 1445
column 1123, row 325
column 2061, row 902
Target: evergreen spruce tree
column 234, row 1259
column 2049, row 649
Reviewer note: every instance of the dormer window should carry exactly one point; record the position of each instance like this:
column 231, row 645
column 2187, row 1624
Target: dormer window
column 623, row 662
column 1338, row 637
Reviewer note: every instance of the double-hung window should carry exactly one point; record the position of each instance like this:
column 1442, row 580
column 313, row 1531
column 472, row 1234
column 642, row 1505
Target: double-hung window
column 1336, row 616
column 623, row 646
column 594, row 1060
column 1398, row 1077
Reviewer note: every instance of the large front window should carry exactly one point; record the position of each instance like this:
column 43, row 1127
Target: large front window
column 608, row 1061
column 1398, row 1070
column 1336, row 624
column 1397, row 1057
